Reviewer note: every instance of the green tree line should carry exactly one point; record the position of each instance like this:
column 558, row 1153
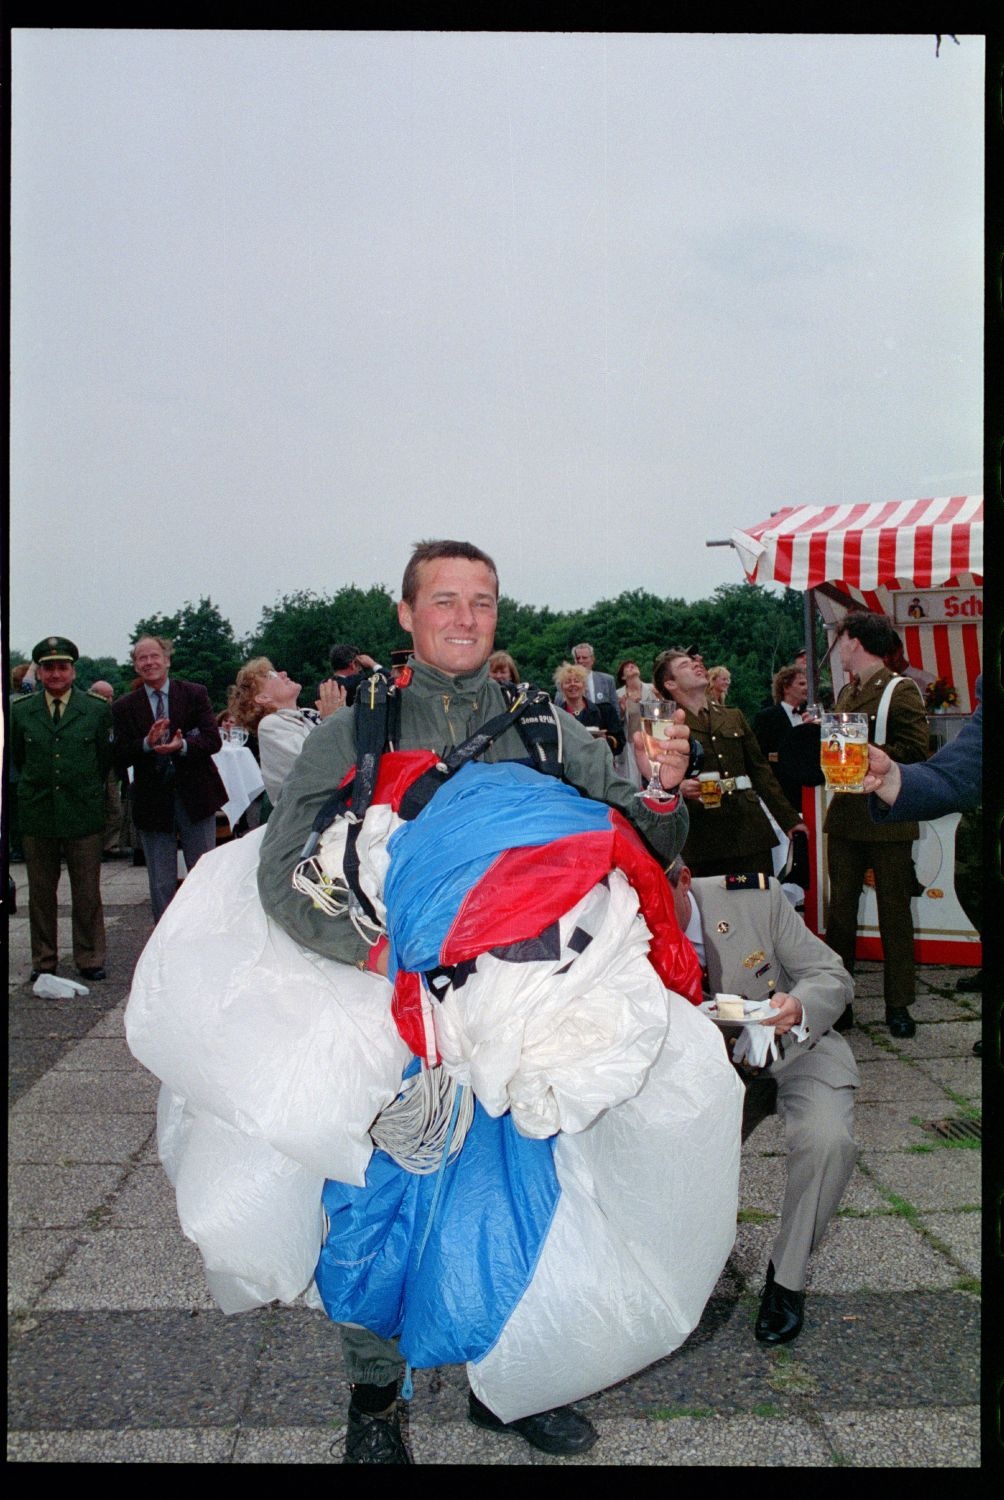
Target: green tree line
column 741, row 626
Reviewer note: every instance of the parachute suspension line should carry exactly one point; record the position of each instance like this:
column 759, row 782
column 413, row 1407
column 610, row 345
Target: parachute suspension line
column 407, row 1384
column 427, row 1124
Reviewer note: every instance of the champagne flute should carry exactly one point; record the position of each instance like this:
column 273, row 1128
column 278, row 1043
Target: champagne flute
column 656, row 718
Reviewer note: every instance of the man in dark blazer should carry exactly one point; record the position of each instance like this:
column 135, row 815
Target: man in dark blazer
column 166, row 731
column 60, row 746
column 773, row 725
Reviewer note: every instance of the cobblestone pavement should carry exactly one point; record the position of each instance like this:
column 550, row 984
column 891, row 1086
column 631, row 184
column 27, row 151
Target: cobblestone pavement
column 118, row 1355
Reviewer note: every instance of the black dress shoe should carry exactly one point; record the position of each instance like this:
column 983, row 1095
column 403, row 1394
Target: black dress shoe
column 94, row 975
column 37, row 974
column 781, row 1313
column 970, row 984
column 562, row 1431
column 845, row 1020
column 900, row 1022
column 375, row 1438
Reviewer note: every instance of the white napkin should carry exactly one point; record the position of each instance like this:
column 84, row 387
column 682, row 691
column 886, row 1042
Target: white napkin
column 52, row 987
column 755, row 1043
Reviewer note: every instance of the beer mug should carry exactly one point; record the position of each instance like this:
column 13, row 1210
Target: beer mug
column 711, row 788
column 843, row 751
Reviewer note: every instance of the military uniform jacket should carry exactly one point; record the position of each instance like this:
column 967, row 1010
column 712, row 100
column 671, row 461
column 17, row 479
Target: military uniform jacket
column 753, row 937
column 62, row 768
column 738, row 826
column 906, row 741
column 437, row 712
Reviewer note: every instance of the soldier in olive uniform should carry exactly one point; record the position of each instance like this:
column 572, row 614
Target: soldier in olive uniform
column 61, row 746
column 736, row 836
column 855, row 843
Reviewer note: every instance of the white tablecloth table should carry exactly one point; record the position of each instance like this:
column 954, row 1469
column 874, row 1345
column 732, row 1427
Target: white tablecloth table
column 241, row 777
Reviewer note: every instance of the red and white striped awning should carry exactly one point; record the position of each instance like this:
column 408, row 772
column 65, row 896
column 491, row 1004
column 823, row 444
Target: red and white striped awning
column 895, row 544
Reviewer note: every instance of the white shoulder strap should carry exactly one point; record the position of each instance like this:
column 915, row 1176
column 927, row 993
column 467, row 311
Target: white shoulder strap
column 882, row 717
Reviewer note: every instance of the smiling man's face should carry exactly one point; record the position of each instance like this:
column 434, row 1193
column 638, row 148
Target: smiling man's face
column 452, row 621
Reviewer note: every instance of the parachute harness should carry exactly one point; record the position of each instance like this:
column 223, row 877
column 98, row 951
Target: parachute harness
column 425, row 1126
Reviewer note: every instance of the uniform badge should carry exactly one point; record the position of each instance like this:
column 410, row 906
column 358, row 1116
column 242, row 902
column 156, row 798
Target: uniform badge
column 762, row 970
column 752, row 959
column 722, row 927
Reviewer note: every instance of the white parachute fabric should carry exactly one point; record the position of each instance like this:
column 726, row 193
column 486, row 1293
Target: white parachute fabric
column 559, row 1040
column 241, row 1021
column 645, row 1223
column 276, row 1061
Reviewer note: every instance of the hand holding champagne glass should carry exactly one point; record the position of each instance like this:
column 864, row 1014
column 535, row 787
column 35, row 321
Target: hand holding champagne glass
column 657, row 723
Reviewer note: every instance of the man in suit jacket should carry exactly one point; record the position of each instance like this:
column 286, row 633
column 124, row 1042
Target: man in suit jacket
column 751, row 942
column 773, row 725
column 854, row 843
column 60, row 746
column 600, row 686
column 166, row 731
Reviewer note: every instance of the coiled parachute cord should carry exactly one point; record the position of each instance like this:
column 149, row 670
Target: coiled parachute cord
column 461, row 1099
column 431, row 1110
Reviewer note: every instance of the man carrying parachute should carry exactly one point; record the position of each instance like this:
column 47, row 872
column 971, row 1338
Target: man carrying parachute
column 565, row 1229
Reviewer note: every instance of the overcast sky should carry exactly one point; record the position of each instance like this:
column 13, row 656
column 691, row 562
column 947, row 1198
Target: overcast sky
column 284, row 303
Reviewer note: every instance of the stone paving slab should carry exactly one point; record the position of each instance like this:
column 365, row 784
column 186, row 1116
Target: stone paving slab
column 880, row 1253
column 954, row 1040
column 963, row 1075
column 146, row 1201
column 891, row 1127
column 73, row 1140
column 886, row 1081
column 33, row 1258
column 47, row 1197
column 98, row 1054
column 962, row 1236
column 906, row 1438
column 79, row 1370
column 134, row 1446
column 131, row 1270
column 939, row 1179
column 78, row 1093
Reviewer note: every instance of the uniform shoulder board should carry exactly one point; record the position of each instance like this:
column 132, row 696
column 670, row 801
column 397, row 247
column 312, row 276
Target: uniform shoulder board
column 753, row 881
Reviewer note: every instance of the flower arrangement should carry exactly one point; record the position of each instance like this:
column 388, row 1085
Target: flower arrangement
column 940, row 695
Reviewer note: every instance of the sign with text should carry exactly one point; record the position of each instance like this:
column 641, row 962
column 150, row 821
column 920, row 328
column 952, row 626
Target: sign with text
column 935, row 606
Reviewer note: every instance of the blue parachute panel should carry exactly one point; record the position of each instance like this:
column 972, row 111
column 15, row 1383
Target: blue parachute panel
column 449, row 1305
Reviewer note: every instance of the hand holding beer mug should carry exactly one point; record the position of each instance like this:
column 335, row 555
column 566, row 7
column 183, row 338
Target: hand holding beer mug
column 843, row 751
column 711, row 788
